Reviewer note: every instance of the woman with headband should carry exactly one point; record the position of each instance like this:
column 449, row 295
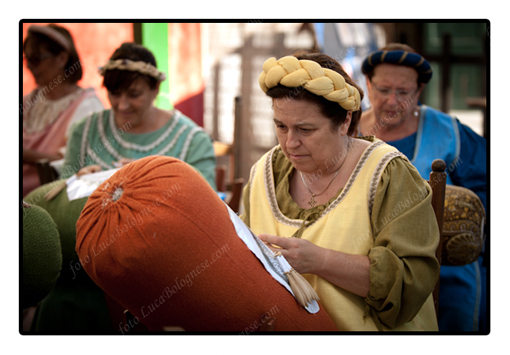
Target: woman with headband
column 134, row 128
column 350, row 214
column 57, row 102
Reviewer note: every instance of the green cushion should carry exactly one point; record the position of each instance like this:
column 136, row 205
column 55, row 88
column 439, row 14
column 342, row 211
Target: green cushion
column 42, row 256
column 65, row 213
column 76, row 305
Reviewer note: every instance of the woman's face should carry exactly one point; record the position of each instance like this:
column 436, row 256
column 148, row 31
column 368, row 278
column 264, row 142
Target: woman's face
column 393, row 92
column 132, row 106
column 44, row 66
column 307, row 137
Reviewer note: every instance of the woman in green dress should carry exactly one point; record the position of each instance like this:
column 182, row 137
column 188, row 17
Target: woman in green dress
column 134, row 128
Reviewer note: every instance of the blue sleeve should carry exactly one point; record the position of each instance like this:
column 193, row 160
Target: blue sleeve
column 471, row 170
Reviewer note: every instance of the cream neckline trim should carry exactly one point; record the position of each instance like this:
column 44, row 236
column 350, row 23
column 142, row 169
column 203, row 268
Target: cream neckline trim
column 271, row 194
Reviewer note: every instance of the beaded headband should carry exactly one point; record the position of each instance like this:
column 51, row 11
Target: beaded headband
column 399, row 57
column 292, row 72
column 130, row 65
column 53, row 34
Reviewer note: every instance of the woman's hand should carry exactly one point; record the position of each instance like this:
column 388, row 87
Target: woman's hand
column 304, row 256
column 122, row 162
column 31, row 156
column 89, row 170
column 348, row 271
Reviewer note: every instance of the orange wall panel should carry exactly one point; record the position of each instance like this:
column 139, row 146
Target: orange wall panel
column 185, row 69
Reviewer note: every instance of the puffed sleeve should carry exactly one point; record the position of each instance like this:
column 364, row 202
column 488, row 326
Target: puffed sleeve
column 403, row 266
column 73, row 148
column 201, row 156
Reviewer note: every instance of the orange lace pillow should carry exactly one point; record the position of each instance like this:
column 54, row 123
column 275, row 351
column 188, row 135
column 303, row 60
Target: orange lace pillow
column 158, row 239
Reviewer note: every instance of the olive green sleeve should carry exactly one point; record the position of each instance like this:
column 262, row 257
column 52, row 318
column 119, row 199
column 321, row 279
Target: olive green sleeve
column 403, row 266
column 245, row 216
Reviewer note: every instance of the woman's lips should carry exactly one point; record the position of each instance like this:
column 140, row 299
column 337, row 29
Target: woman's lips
column 297, row 156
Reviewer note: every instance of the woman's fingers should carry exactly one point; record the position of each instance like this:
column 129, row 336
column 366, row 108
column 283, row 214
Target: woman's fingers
column 89, row 170
column 301, row 254
column 274, row 240
column 122, row 162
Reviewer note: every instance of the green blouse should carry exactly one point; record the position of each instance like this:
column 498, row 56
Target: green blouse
column 404, row 269
column 97, row 140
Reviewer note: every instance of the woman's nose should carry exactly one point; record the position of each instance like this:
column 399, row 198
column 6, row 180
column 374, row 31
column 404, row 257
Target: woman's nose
column 292, row 140
column 392, row 99
column 123, row 102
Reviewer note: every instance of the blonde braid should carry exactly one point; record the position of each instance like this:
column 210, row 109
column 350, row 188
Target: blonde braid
column 292, row 72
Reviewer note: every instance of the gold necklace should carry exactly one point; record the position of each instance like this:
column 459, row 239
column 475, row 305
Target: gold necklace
column 312, row 199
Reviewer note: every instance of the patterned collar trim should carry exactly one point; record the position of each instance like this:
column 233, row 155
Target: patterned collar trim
column 271, row 193
column 137, row 147
column 107, row 118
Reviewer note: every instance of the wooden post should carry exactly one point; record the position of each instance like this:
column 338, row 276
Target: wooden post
column 438, row 184
column 446, row 93
column 235, row 157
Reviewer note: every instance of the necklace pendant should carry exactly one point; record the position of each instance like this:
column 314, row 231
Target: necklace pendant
column 312, row 201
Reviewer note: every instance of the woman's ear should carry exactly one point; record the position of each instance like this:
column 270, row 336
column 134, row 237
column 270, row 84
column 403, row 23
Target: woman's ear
column 62, row 59
column 420, row 89
column 367, row 81
column 344, row 128
column 155, row 91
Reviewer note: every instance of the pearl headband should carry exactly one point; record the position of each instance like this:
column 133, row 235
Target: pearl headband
column 139, row 66
column 292, row 72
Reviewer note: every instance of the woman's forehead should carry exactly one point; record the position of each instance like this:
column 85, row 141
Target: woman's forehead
column 391, row 74
column 138, row 84
column 297, row 112
column 291, row 106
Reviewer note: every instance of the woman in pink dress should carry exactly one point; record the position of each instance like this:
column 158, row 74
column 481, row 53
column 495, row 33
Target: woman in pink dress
column 56, row 103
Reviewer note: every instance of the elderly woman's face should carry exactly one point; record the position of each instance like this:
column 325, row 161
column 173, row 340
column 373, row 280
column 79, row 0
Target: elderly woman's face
column 131, row 107
column 393, row 92
column 306, row 136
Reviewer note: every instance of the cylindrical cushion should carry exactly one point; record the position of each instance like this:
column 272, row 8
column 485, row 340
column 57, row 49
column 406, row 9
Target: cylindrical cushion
column 42, row 257
column 160, row 242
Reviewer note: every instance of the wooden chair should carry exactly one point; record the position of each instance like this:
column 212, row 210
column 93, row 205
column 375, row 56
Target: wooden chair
column 437, row 182
column 46, row 172
column 235, row 188
column 462, row 224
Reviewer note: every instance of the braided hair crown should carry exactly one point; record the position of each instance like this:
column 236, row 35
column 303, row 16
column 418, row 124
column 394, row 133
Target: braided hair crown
column 292, row 72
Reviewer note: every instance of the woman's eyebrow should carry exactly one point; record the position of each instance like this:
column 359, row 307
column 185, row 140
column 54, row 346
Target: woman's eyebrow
column 299, row 124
